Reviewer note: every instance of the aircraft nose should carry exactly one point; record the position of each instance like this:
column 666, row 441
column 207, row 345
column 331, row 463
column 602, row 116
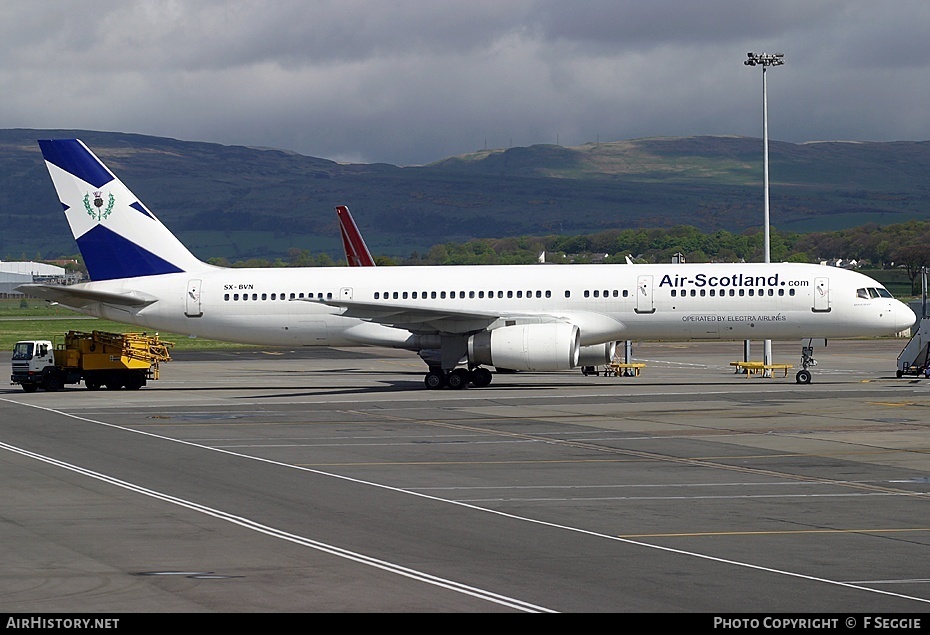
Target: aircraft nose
column 902, row 315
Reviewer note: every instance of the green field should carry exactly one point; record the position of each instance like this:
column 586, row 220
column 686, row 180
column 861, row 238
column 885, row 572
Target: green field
column 36, row 319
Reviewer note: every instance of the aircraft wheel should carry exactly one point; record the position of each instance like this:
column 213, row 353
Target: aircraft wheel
column 481, row 377
column 803, row 377
column 458, row 379
column 434, row 380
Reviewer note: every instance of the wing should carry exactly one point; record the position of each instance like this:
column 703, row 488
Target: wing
column 419, row 319
column 595, row 327
column 79, row 296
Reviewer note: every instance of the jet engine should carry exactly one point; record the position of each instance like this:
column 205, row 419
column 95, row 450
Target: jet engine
column 597, row 354
column 541, row 347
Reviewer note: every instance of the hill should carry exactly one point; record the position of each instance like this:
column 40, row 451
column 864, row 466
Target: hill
column 239, row 203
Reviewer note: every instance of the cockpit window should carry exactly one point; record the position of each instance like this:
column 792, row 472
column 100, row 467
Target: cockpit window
column 873, row 292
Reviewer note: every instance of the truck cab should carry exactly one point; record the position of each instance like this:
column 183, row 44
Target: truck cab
column 30, row 360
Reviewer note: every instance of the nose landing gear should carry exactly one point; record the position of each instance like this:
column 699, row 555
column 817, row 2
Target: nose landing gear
column 807, row 360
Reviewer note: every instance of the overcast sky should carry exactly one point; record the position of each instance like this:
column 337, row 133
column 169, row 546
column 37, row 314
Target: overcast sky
column 413, row 81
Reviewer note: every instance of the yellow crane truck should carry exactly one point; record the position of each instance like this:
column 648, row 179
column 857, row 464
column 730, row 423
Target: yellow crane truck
column 113, row 360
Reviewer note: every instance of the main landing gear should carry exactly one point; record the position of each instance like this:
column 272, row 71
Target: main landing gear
column 457, row 378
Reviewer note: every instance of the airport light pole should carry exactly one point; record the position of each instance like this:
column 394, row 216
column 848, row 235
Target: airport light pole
column 765, row 60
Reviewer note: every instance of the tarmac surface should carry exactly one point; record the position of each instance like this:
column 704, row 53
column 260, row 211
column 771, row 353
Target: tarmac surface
column 333, row 481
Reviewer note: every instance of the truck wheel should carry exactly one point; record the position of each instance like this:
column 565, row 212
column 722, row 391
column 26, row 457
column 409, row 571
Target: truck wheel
column 135, row 381
column 92, row 384
column 113, row 384
column 29, row 387
column 52, row 383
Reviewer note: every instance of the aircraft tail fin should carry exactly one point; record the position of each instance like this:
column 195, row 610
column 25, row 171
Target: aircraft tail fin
column 357, row 254
column 117, row 235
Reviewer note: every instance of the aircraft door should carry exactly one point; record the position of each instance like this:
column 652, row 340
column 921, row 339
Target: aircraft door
column 645, row 301
column 821, row 295
column 192, row 306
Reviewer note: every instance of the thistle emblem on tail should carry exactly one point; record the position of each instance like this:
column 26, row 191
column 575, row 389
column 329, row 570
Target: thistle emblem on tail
column 95, row 208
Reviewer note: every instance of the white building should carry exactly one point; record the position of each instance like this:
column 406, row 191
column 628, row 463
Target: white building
column 13, row 274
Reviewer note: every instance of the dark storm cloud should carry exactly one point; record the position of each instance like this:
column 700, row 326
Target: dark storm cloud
column 411, row 81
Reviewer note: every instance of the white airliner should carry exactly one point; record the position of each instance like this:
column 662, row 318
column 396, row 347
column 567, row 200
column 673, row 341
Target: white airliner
column 460, row 319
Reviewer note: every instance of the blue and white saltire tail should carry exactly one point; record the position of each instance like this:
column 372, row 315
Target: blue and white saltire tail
column 117, row 235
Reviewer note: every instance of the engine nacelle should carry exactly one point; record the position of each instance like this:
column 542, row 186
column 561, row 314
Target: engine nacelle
column 597, row 354
column 539, row 347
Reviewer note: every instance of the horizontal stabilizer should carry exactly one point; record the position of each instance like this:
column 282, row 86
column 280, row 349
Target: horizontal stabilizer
column 80, row 296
